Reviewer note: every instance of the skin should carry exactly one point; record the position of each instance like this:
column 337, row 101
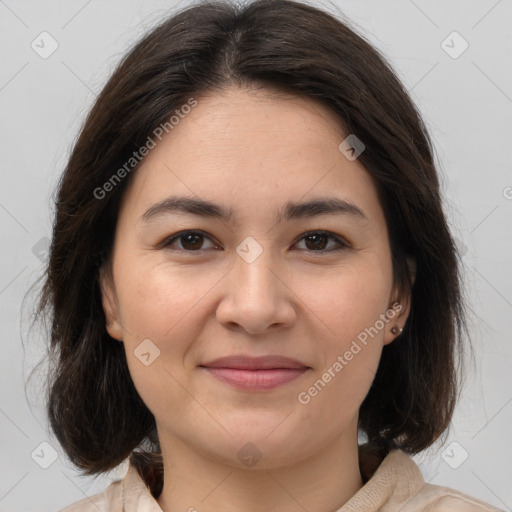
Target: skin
column 252, row 150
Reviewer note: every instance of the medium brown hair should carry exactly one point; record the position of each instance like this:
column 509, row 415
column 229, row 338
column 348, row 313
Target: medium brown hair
column 92, row 404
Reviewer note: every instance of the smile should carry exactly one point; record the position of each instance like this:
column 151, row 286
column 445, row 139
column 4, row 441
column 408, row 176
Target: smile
column 255, row 374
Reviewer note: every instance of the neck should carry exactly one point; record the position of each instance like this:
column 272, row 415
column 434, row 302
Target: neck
column 324, row 482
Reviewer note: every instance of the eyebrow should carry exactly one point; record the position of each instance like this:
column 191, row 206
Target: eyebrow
column 291, row 210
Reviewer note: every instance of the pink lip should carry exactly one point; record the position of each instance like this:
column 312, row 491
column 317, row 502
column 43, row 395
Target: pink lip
column 255, row 373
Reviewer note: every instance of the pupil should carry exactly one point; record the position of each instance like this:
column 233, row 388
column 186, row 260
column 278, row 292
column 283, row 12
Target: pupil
column 187, row 239
column 316, row 239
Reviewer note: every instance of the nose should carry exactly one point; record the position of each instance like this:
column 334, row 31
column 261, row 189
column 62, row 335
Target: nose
column 256, row 296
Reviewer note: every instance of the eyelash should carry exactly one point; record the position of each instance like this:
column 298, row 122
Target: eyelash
column 342, row 244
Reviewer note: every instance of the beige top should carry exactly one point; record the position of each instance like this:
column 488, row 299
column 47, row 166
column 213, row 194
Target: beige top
column 397, row 485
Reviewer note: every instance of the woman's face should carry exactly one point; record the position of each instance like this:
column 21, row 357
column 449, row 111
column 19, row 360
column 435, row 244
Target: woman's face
column 255, row 284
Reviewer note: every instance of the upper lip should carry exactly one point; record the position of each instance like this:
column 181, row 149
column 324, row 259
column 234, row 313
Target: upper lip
column 242, row 362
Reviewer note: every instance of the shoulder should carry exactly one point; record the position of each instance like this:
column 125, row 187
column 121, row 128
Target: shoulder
column 436, row 498
column 110, row 500
column 127, row 494
column 397, row 484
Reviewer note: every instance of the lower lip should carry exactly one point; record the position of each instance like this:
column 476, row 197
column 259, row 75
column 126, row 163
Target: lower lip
column 255, row 380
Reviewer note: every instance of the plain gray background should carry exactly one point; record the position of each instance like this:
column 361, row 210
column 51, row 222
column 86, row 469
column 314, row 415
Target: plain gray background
column 465, row 98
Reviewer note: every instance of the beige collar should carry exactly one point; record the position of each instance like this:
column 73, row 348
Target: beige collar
column 396, row 480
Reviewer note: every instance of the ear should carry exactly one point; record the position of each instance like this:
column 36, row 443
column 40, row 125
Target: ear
column 109, row 304
column 399, row 308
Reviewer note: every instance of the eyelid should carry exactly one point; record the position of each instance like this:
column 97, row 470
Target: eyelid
column 167, row 241
column 343, row 244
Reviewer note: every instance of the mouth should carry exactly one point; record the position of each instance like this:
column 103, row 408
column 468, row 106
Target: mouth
column 255, row 373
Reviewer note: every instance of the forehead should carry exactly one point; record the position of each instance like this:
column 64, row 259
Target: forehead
column 251, row 150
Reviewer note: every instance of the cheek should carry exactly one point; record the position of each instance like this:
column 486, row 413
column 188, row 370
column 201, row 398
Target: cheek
column 350, row 307
column 350, row 350
column 160, row 304
column 350, row 300
column 159, row 301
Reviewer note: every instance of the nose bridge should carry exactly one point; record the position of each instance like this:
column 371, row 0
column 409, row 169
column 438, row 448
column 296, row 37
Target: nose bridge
column 252, row 267
column 254, row 298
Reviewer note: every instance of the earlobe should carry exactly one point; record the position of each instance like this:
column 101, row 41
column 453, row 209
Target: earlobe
column 400, row 308
column 398, row 313
column 108, row 303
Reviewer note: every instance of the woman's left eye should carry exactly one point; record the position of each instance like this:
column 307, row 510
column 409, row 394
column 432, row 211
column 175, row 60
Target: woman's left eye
column 316, row 241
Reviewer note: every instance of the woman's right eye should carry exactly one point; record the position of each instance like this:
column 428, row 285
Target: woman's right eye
column 190, row 241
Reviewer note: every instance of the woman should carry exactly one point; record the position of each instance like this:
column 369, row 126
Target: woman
column 250, row 267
